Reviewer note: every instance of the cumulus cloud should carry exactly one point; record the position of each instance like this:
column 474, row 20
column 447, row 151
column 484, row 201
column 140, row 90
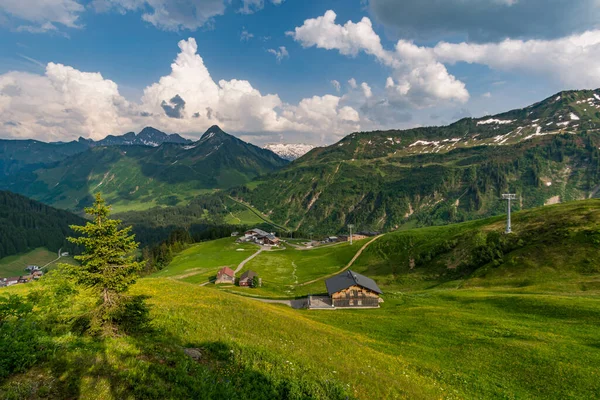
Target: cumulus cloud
column 65, row 103
column 279, row 53
column 62, row 103
column 420, row 80
column 572, row 60
column 43, row 15
column 487, row 20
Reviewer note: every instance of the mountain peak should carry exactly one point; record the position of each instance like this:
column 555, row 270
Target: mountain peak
column 214, row 130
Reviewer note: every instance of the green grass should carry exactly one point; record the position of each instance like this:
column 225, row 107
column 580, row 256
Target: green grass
column 199, row 263
column 284, row 272
column 523, row 326
column 15, row 265
column 243, row 217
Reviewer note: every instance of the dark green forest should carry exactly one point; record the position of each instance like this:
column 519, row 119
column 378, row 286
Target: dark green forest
column 27, row 224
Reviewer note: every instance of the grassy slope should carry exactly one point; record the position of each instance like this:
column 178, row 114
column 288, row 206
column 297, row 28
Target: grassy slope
column 522, row 327
column 15, row 265
column 200, row 262
column 283, row 271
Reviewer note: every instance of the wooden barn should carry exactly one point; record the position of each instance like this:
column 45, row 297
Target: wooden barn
column 225, row 275
column 350, row 289
column 246, row 278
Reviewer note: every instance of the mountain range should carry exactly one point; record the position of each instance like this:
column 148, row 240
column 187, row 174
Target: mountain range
column 381, row 180
column 546, row 153
column 289, row 151
column 139, row 176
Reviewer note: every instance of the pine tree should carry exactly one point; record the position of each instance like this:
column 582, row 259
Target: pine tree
column 108, row 263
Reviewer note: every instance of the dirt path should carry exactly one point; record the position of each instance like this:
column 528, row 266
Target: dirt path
column 358, row 253
column 296, row 303
column 239, row 267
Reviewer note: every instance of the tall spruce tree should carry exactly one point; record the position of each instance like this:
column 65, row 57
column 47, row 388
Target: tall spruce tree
column 108, row 264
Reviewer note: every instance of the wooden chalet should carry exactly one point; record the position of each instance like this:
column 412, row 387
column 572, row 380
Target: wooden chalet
column 350, row 289
column 225, row 275
column 246, row 278
column 261, row 237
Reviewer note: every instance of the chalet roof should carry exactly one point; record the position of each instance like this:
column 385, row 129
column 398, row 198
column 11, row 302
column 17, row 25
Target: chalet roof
column 348, row 279
column 226, row 271
column 248, row 274
column 259, row 232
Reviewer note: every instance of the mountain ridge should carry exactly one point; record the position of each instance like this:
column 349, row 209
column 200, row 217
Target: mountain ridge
column 381, row 180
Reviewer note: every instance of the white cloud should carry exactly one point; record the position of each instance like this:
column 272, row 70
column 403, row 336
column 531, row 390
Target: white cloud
column 279, row 53
column 336, row 85
column 487, row 95
column 421, row 80
column 571, row 60
column 245, row 35
column 352, row 83
column 368, row 93
column 44, row 14
column 65, row 103
column 251, row 6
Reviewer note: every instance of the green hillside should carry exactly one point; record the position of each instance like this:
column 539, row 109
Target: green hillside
column 15, row 265
column 468, row 313
column 546, row 153
column 140, row 177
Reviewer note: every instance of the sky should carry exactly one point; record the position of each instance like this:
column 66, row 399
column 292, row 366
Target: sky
column 283, row 71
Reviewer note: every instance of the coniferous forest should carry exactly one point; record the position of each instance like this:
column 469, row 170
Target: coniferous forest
column 27, row 224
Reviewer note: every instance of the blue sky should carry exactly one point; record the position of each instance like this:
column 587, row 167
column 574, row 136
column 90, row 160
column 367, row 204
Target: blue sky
column 263, row 69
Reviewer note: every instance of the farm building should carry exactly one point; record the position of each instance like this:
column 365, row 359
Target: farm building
column 12, row 280
column 350, row 289
column 32, row 268
column 247, row 278
column 225, row 275
column 261, row 237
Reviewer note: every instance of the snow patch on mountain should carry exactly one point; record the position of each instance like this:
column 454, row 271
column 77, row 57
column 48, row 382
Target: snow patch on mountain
column 495, row 121
column 289, row 151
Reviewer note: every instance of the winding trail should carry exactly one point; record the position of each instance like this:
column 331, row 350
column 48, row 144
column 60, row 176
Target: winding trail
column 358, row 253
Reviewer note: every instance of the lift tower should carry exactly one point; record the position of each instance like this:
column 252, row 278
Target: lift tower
column 509, row 197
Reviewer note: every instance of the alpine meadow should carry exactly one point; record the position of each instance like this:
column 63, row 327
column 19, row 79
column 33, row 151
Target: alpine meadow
column 241, row 199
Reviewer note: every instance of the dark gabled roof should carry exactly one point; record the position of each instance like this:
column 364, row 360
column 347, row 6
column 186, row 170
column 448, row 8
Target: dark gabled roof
column 350, row 278
column 259, row 232
column 248, row 274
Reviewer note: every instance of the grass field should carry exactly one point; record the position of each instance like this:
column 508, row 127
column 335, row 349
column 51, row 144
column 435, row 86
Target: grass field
column 15, row 265
column 283, row 272
column 467, row 314
column 200, row 262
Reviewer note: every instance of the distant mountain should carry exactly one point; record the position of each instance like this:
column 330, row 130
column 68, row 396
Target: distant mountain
column 28, row 155
column 289, row 151
column 144, row 176
column 26, row 224
column 147, row 137
column 546, row 153
column 17, row 155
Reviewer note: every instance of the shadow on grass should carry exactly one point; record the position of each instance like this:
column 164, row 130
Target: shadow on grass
column 148, row 363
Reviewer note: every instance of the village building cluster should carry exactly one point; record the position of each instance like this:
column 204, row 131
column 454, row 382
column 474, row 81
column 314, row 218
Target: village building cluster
column 34, row 273
column 248, row 279
column 259, row 237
